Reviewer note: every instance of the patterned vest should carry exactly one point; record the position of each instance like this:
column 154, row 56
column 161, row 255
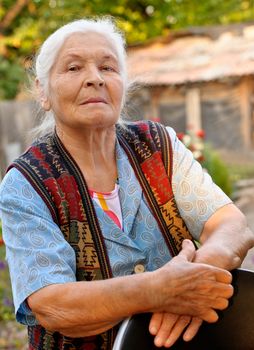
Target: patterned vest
column 56, row 177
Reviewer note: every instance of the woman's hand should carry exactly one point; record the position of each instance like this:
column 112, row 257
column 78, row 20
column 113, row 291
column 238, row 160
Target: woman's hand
column 167, row 328
column 194, row 289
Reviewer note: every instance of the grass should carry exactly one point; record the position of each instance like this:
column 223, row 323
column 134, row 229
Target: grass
column 241, row 171
column 240, row 165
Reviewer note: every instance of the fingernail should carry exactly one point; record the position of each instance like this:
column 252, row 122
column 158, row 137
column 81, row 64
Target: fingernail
column 153, row 330
column 168, row 342
column 158, row 341
column 187, row 337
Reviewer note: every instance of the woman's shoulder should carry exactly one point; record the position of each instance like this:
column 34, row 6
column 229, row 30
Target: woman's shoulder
column 14, row 182
column 12, row 177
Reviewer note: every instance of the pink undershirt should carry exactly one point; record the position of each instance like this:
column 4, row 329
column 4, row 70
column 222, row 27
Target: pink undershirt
column 110, row 204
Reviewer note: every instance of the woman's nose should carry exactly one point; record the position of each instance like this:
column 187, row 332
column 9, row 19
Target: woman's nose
column 93, row 77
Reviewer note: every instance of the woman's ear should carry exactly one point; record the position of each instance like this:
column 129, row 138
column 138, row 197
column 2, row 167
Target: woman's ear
column 44, row 100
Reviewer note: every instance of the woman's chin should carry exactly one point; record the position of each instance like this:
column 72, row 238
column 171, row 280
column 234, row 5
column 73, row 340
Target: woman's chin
column 100, row 120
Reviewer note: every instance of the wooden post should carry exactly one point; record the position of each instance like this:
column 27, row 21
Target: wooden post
column 193, row 110
column 155, row 97
column 246, row 120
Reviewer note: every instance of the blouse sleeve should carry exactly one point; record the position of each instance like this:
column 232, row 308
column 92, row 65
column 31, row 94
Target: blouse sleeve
column 197, row 196
column 36, row 251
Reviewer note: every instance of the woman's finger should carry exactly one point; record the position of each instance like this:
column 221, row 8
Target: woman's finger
column 155, row 322
column 166, row 327
column 177, row 330
column 192, row 329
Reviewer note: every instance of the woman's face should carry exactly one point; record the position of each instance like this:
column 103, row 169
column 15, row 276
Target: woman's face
column 85, row 85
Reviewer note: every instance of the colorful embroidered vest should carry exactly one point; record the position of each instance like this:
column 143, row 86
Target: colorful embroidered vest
column 56, row 177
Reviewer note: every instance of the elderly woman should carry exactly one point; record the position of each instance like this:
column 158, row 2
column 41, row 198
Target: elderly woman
column 96, row 211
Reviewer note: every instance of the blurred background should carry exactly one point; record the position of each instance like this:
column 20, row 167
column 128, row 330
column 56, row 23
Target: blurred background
column 192, row 63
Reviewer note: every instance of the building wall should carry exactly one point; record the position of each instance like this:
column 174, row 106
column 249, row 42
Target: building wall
column 226, row 110
column 222, row 115
column 16, row 119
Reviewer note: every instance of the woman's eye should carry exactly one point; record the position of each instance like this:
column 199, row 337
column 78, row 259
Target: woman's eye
column 73, row 68
column 108, row 68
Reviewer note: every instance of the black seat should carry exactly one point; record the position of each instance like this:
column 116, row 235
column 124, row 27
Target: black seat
column 234, row 330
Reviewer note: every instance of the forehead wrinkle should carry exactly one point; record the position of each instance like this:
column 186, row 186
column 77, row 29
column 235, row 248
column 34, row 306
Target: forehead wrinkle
column 79, row 53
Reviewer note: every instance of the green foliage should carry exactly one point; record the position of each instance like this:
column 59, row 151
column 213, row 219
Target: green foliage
column 12, row 75
column 6, row 305
column 217, row 169
column 25, row 24
column 208, row 158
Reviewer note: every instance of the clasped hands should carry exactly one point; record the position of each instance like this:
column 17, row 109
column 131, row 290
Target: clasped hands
column 198, row 291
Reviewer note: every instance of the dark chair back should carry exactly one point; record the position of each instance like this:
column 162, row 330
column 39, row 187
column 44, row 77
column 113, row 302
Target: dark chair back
column 234, row 330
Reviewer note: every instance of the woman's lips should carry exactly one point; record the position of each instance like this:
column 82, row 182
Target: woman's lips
column 94, row 100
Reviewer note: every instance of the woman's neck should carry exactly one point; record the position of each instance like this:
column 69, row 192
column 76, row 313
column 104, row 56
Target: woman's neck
column 94, row 152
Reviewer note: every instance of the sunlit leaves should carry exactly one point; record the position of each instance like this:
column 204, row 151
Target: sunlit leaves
column 141, row 20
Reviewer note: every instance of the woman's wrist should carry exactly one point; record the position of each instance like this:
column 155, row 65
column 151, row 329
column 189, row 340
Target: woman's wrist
column 217, row 255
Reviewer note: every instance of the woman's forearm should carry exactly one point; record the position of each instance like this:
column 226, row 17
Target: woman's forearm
column 87, row 308
column 225, row 239
column 87, row 330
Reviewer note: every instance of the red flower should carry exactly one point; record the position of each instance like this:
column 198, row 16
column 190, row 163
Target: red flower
column 180, row 135
column 200, row 133
column 201, row 159
column 1, row 241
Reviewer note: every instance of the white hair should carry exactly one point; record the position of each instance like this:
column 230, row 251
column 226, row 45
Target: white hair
column 49, row 50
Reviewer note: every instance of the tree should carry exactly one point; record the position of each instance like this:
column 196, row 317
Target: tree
column 24, row 24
